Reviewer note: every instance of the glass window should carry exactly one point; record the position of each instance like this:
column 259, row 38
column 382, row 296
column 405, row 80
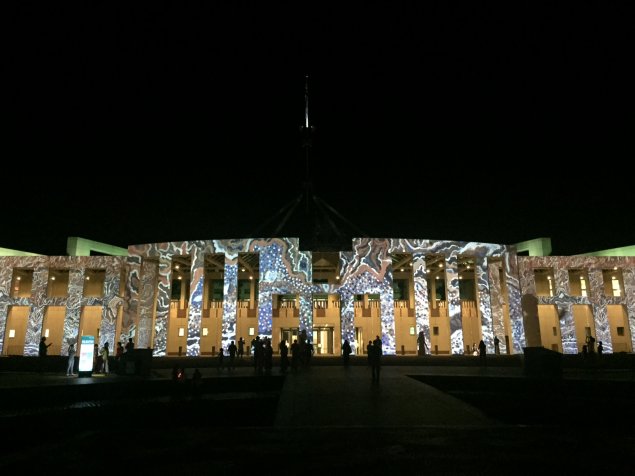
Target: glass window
column 550, row 281
column 244, row 289
column 400, row 289
column 216, row 290
column 176, row 289
column 439, row 284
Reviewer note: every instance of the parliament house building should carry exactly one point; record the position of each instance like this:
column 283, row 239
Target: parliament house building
column 190, row 298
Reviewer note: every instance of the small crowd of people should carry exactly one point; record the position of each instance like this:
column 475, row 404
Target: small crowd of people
column 262, row 352
column 589, row 347
column 101, row 357
column 374, row 351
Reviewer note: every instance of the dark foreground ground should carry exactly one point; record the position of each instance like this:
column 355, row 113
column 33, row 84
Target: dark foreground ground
column 582, row 423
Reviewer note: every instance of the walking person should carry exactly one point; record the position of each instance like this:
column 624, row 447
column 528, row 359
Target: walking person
column 71, row 360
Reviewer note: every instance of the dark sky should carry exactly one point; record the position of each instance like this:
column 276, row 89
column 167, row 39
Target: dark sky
column 174, row 121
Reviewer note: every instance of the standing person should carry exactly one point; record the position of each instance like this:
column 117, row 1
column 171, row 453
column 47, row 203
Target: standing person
column 71, row 360
column 284, row 356
column 600, row 348
column 221, row 356
column 268, row 356
column 482, row 350
column 105, row 352
column 346, row 351
column 118, row 357
column 421, row 341
column 369, row 353
column 378, row 344
column 375, row 359
column 259, row 355
column 129, row 347
column 255, row 343
column 591, row 344
column 241, row 348
column 42, row 351
column 309, row 350
column 232, row 349
column 98, row 359
column 497, row 349
column 295, row 355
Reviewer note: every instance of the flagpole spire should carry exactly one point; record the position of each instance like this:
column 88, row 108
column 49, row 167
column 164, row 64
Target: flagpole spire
column 306, row 101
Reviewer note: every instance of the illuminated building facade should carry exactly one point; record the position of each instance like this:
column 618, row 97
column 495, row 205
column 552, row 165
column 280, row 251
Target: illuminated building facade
column 190, row 297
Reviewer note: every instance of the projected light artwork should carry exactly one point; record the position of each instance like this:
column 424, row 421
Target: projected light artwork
column 193, row 297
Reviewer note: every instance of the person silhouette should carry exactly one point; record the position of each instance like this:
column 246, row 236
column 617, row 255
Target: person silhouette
column 220, row 357
column 482, row 350
column 284, row 356
column 232, row 349
column 241, row 348
column 129, row 347
column 71, row 359
column 346, row 351
column 105, row 353
column 600, row 347
column 42, row 351
column 375, row 360
column 497, row 349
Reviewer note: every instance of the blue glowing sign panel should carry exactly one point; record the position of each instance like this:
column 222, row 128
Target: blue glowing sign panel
column 86, row 353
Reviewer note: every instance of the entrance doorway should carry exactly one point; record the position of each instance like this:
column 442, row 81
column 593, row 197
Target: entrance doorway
column 359, row 341
column 289, row 334
column 323, row 340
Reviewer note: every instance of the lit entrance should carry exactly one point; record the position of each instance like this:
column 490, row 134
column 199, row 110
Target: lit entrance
column 290, row 334
column 323, row 340
column 359, row 340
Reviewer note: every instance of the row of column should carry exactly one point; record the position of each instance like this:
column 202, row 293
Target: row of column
column 146, row 296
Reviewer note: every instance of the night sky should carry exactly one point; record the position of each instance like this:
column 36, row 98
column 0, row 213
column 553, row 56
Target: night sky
column 462, row 121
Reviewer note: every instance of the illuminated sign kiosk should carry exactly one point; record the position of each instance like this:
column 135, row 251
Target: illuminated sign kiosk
column 86, row 356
